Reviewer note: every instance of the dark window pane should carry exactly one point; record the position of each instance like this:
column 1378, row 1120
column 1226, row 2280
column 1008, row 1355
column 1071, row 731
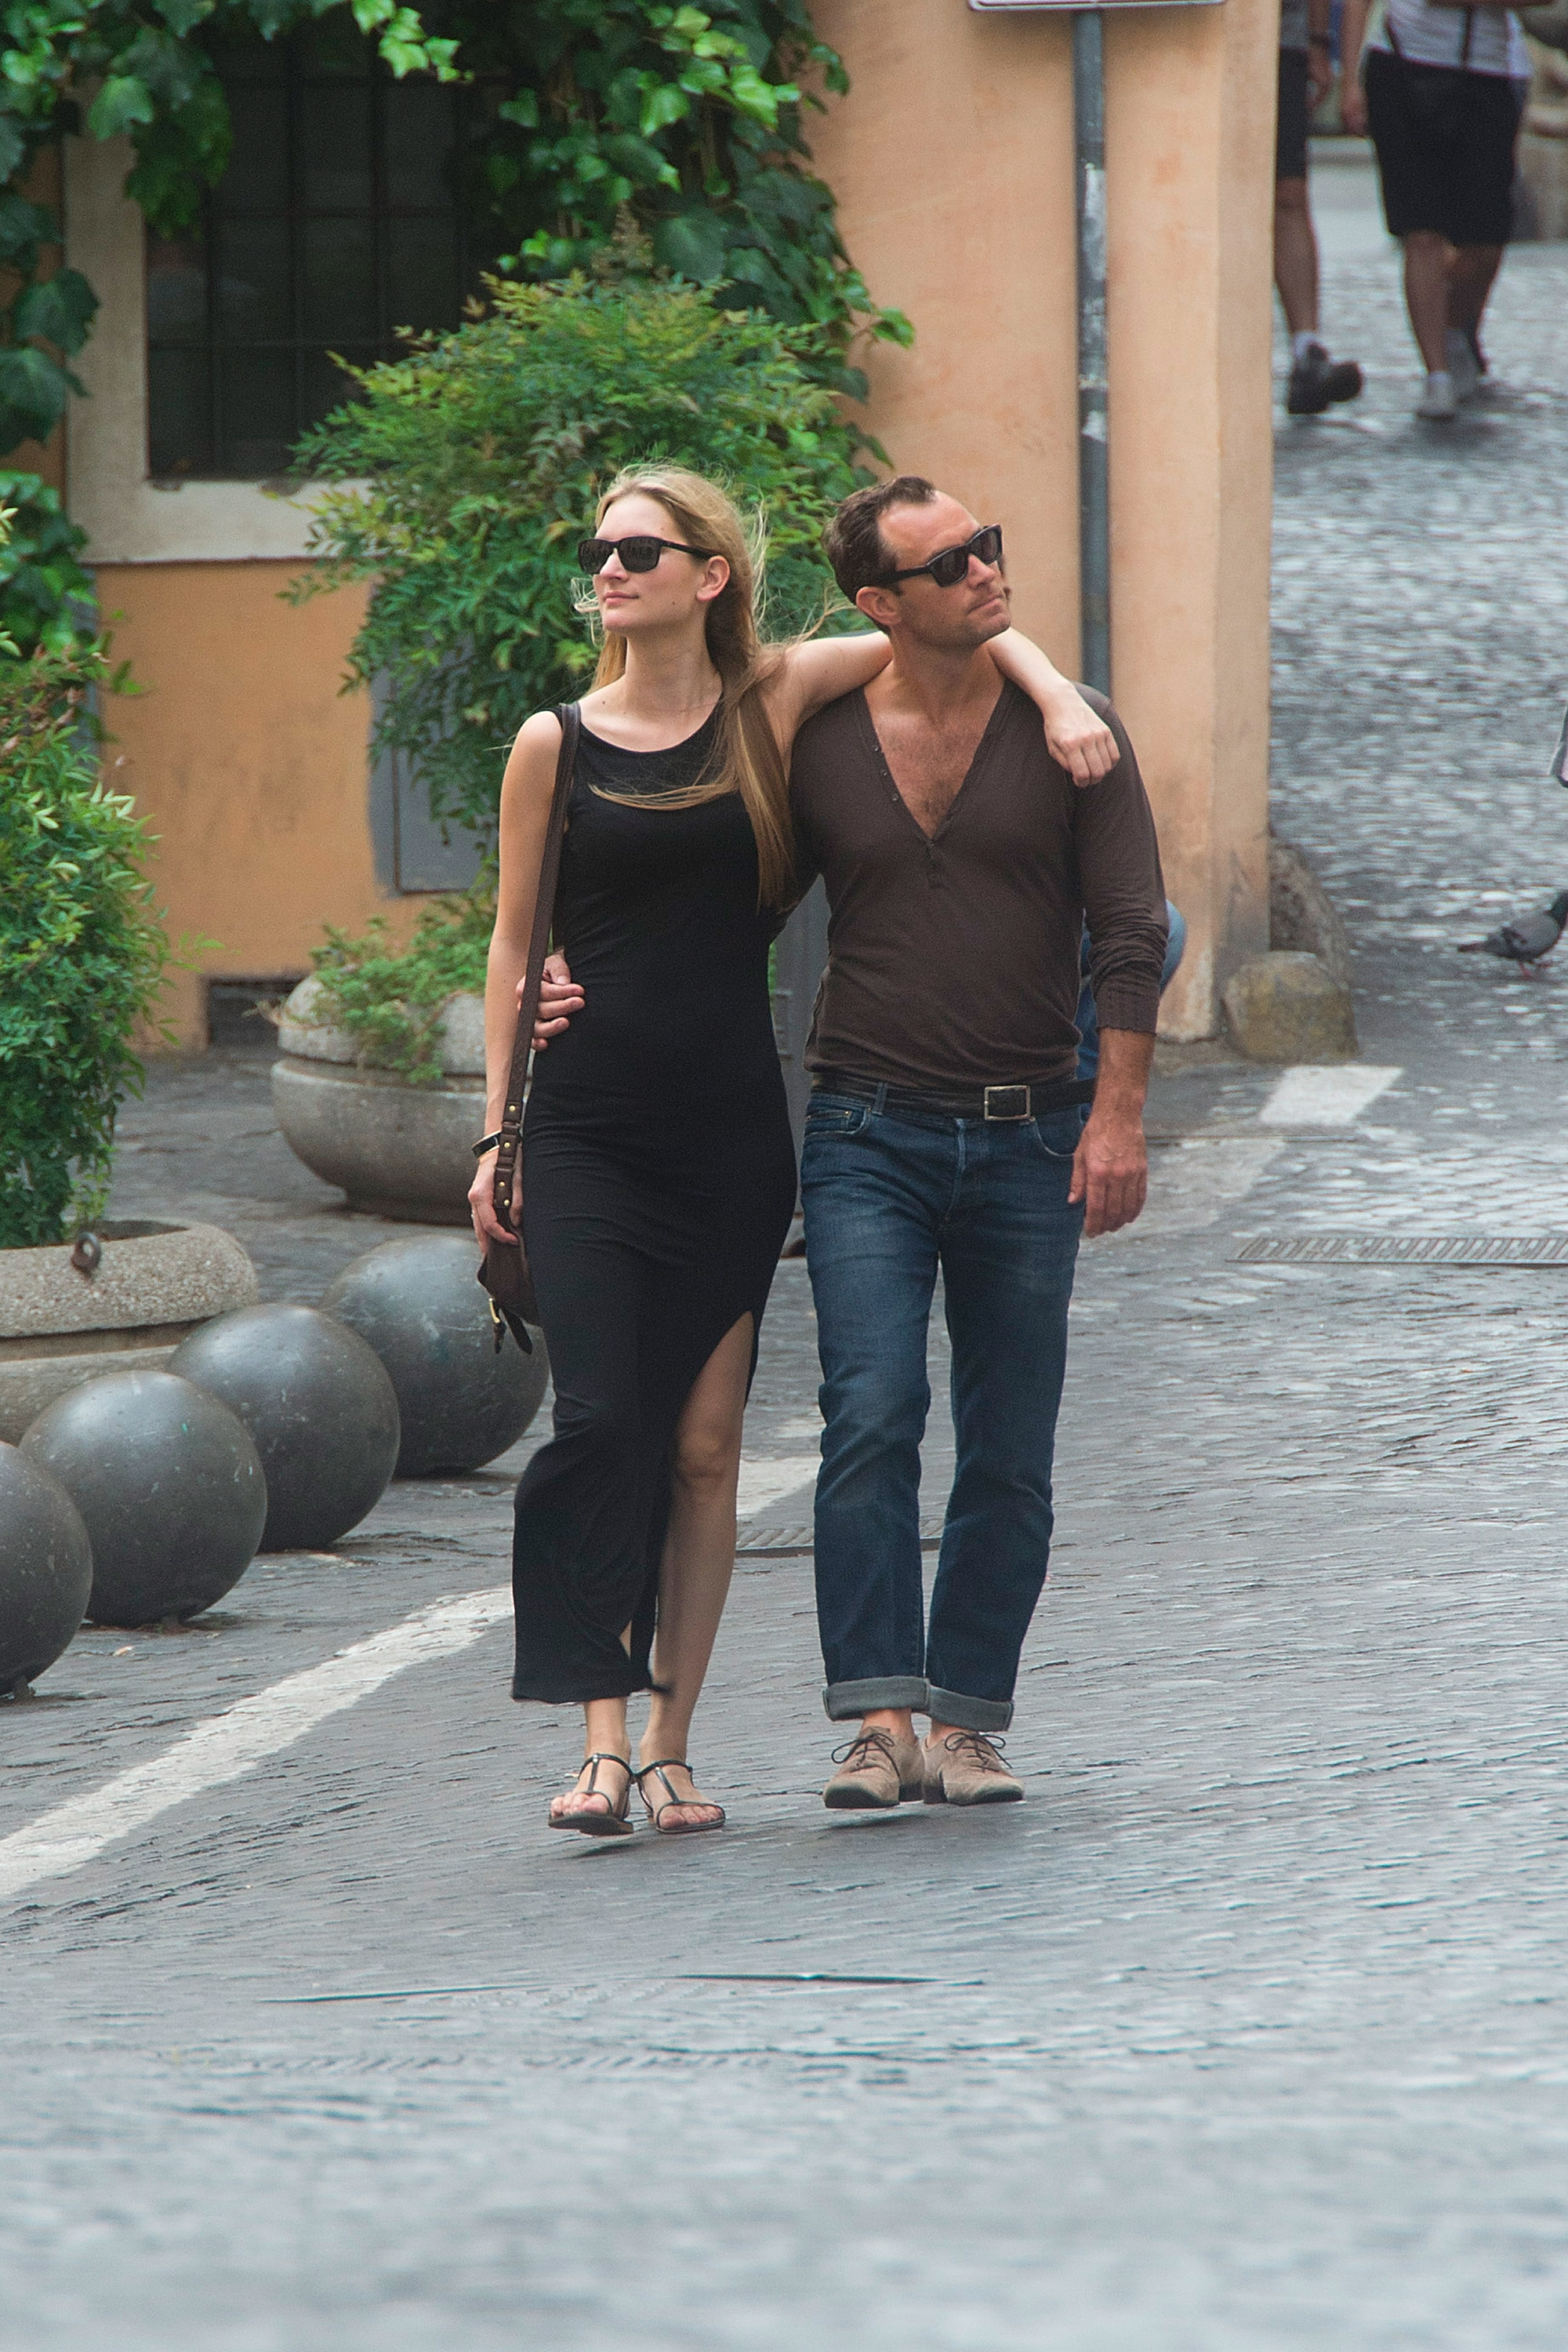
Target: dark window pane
column 335, row 46
column 177, row 289
column 336, row 222
column 257, row 179
column 423, row 288
column 254, row 300
column 256, row 425
column 334, row 148
column 340, row 280
column 180, row 439
column 419, row 136
column 251, row 60
column 326, row 385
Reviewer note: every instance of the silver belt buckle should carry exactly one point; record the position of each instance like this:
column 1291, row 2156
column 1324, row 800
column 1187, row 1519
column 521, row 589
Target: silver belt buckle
column 1007, row 1102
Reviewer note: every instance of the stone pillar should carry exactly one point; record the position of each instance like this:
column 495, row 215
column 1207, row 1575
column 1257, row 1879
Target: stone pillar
column 951, row 160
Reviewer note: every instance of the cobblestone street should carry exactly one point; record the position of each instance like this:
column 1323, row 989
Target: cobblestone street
column 1248, row 2030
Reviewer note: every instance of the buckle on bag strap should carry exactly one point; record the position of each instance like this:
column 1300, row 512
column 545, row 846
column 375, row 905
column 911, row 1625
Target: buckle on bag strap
column 1007, row 1102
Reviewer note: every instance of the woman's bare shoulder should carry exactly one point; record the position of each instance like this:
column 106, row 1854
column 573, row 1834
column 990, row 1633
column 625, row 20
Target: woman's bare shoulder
column 531, row 765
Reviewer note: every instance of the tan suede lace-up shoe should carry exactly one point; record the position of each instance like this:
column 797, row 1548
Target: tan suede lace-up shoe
column 964, row 1768
column 876, row 1771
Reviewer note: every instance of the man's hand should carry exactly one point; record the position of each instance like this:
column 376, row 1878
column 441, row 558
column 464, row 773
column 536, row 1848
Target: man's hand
column 1352, row 107
column 1319, row 77
column 1111, row 1166
column 1078, row 741
column 559, row 998
column 1109, row 1172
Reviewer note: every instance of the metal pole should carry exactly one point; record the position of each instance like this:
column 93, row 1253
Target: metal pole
column 1093, row 469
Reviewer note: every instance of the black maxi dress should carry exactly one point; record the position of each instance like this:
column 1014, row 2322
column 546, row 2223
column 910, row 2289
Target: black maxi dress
column 659, row 1181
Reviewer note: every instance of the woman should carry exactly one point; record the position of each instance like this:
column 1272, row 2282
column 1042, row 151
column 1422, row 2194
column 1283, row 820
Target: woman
column 658, row 1172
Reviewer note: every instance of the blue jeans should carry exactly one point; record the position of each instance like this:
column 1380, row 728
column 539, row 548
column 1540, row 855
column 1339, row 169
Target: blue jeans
column 889, row 1196
column 1088, row 1019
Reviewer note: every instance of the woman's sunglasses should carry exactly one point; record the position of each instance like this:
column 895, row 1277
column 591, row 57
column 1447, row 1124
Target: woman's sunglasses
column 953, row 564
column 639, row 554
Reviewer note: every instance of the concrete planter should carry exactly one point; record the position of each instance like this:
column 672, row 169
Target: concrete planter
column 153, row 1286
column 397, row 1150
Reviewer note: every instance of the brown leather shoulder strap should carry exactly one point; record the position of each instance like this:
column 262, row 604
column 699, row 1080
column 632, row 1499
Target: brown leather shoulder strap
column 538, row 948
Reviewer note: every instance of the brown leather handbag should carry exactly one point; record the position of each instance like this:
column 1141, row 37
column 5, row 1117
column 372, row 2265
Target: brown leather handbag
column 504, row 1271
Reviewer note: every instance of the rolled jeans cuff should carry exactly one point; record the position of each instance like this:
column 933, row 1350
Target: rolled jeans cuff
column 968, row 1714
column 844, row 1701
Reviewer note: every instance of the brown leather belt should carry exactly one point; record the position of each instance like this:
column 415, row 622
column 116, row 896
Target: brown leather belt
column 1005, row 1103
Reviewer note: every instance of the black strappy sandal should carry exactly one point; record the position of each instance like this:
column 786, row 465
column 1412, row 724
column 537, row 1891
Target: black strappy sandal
column 655, row 1814
column 611, row 1822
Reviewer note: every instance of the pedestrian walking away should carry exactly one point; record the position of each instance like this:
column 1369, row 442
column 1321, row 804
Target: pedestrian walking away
column 947, row 1130
column 658, row 1171
column 1306, row 77
column 1442, row 90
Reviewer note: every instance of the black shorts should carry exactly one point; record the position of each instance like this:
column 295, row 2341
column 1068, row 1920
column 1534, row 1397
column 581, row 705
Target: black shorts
column 1290, row 132
column 1445, row 142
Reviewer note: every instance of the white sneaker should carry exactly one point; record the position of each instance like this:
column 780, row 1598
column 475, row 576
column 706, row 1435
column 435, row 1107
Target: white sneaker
column 1439, row 402
column 1462, row 365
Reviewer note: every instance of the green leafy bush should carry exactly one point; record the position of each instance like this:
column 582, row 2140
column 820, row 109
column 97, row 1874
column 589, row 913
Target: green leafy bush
column 692, row 117
column 391, row 998
column 484, row 452
column 45, row 597
column 81, row 953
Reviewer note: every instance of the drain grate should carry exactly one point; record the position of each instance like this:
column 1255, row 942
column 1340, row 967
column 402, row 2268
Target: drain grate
column 1404, row 1249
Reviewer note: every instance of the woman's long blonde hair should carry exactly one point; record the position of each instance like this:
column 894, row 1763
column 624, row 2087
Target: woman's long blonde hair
column 747, row 758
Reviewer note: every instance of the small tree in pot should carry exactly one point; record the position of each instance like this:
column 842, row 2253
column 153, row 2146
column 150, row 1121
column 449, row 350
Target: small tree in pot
column 472, row 469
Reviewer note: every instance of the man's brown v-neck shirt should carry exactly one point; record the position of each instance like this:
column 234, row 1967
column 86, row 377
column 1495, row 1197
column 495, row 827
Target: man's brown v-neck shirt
column 954, row 961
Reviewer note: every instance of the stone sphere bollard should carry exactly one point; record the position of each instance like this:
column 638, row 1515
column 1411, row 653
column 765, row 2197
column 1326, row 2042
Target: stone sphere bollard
column 169, row 1486
column 420, row 1307
column 319, row 1406
column 46, row 1568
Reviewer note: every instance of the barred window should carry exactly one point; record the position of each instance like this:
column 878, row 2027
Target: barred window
column 341, row 218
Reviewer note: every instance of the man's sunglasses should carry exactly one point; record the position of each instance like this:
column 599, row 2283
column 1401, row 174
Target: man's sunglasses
column 953, row 564
column 639, row 554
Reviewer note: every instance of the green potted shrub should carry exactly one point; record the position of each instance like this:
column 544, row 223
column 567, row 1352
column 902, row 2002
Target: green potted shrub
column 82, row 958
column 468, row 470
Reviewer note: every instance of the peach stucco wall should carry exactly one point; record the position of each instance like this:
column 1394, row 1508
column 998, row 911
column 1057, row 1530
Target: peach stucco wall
column 248, row 764
column 951, row 159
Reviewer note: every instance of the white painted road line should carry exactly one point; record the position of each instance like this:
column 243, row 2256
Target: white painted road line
column 1331, row 1093
column 228, row 1746
column 766, row 1482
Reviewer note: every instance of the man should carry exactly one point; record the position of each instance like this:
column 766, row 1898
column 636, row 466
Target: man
column 1306, row 77
column 1443, row 96
column 946, row 1128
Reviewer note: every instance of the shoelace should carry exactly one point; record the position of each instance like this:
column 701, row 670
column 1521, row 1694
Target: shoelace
column 987, row 1753
column 861, row 1749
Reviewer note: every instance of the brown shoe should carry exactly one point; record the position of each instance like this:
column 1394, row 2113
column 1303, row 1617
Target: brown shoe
column 874, row 1772
column 966, row 1768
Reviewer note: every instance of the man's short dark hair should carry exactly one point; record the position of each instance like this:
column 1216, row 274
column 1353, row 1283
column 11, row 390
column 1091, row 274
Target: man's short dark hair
column 854, row 542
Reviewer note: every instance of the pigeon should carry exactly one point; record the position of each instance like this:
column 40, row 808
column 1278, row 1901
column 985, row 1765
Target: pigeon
column 1528, row 942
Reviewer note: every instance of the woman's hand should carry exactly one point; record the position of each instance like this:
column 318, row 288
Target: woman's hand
column 1352, row 106
column 559, row 998
column 1077, row 738
column 487, row 1227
